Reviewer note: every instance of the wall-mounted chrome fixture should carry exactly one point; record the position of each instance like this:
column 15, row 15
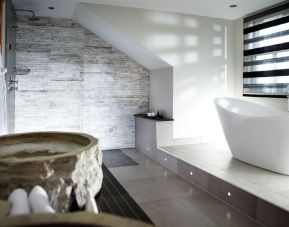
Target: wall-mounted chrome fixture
column 21, row 70
column 12, row 85
column 12, row 89
column 33, row 18
column 16, row 71
column 11, row 82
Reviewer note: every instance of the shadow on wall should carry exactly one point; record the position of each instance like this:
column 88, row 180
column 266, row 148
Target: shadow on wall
column 197, row 48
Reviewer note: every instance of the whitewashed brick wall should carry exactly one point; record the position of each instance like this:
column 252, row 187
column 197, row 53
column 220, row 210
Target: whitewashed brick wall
column 77, row 82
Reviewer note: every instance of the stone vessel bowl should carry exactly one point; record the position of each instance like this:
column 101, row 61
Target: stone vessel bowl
column 57, row 161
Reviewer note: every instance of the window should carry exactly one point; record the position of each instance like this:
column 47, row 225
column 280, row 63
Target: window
column 266, row 53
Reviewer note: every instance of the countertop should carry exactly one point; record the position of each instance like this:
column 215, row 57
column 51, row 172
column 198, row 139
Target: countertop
column 160, row 118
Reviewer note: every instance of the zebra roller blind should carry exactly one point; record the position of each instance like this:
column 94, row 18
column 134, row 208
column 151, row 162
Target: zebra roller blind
column 266, row 53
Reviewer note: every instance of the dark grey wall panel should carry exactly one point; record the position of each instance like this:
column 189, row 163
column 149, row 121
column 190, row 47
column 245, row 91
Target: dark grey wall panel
column 145, row 132
column 270, row 215
column 192, row 174
column 243, row 201
column 167, row 160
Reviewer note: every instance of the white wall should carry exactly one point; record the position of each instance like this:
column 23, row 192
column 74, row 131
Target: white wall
column 198, row 48
column 161, row 91
column 279, row 103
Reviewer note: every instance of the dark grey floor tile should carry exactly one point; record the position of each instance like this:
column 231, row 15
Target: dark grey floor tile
column 157, row 188
column 201, row 210
column 171, row 201
column 116, row 158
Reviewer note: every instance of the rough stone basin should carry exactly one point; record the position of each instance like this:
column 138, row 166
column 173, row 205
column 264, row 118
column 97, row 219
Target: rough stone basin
column 57, row 161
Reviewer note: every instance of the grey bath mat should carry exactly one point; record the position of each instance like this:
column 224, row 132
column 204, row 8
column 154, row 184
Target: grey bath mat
column 116, row 158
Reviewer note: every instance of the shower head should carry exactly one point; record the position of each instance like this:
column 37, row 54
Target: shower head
column 33, row 18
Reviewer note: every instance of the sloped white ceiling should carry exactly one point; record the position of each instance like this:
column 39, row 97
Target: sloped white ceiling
column 118, row 39
column 210, row 8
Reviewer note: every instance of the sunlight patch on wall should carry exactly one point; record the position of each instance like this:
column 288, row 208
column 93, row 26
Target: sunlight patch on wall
column 219, row 81
column 217, row 27
column 217, row 52
column 211, row 121
column 172, row 59
column 226, row 78
column 191, row 57
column 191, row 23
column 191, row 40
column 217, row 40
column 161, row 41
column 225, row 43
column 219, row 74
column 163, row 18
column 187, row 94
column 219, row 77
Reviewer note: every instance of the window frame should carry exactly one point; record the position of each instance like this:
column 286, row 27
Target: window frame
column 252, row 26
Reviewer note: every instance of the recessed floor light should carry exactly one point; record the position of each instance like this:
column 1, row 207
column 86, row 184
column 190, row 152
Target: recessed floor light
column 51, row 7
column 233, row 6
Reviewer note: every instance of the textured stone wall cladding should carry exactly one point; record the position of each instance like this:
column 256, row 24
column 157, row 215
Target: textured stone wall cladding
column 77, row 82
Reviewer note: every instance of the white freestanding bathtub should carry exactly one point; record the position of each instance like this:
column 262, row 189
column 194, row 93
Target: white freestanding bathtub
column 256, row 134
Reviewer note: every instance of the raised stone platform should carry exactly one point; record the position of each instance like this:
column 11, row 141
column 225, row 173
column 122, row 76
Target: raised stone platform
column 260, row 194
